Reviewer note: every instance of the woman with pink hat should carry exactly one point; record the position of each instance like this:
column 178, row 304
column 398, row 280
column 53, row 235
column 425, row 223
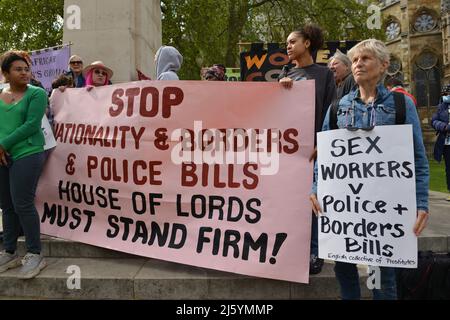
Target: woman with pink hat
column 97, row 74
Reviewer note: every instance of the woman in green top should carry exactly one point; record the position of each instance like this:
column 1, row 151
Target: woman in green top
column 22, row 107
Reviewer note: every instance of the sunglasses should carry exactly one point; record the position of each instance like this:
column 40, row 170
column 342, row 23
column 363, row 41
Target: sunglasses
column 101, row 72
column 76, row 62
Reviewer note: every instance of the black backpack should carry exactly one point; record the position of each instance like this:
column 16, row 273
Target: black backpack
column 430, row 281
column 412, row 284
column 400, row 110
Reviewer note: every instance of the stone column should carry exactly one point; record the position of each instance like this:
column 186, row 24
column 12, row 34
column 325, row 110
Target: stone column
column 124, row 34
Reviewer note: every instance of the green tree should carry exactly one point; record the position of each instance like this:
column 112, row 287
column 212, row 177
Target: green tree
column 198, row 30
column 30, row 24
column 208, row 31
column 205, row 31
column 340, row 19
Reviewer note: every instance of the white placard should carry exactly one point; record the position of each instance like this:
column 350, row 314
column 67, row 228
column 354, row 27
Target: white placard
column 50, row 141
column 367, row 191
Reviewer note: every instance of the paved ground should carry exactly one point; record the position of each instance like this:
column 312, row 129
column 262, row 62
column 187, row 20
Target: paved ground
column 105, row 276
column 439, row 221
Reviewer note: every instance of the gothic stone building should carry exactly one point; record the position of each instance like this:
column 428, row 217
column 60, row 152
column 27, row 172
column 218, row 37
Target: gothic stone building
column 417, row 34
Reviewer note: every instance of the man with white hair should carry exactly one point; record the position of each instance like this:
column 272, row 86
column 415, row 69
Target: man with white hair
column 341, row 66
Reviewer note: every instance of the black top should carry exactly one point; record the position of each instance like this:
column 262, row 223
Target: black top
column 345, row 86
column 325, row 87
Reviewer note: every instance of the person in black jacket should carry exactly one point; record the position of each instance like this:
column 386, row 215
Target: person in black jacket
column 441, row 123
column 301, row 45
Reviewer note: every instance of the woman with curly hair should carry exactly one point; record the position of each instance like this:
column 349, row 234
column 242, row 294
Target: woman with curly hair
column 302, row 44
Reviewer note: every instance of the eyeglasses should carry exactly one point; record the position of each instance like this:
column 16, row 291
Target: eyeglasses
column 351, row 126
column 76, row 62
column 101, row 72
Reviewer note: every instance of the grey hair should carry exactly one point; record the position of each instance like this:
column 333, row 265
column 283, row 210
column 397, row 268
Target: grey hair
column 375, row 47
column 342, row 58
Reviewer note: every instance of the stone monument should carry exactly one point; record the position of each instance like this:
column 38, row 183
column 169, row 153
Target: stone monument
column 124, row 34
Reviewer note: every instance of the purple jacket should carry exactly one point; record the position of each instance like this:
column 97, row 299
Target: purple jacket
column 440, row 124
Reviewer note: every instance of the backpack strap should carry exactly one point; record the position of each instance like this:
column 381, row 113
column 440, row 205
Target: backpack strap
column 333, row 114
column 400, row 110
column 400, row 107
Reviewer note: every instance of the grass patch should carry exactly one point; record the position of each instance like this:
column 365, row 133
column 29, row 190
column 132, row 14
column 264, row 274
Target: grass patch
column 437, row 176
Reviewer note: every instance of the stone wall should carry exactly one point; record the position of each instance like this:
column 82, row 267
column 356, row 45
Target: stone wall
column 408, row 46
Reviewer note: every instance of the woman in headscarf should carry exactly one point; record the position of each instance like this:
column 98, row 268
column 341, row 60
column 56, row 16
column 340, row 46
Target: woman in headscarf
column 168, row 62
column 214, row 73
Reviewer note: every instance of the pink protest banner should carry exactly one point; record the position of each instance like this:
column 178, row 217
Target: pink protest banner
column 229, row 193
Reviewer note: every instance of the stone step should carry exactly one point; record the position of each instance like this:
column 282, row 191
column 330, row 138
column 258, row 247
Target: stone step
column 109, row 274
column 434, row 242
column 59, row 248
column 138, row 278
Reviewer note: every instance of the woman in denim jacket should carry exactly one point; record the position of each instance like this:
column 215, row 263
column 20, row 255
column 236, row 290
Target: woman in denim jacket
column 441, row 124
column 370, row 60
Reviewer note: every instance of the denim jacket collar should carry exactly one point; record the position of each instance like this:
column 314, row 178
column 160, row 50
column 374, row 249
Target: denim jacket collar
column 382, row 93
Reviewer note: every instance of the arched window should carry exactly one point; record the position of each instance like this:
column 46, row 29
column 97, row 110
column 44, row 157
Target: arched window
column 445, row 6
column 395, row 66
column 425, row 21
column 392, row 29
column 427, row 78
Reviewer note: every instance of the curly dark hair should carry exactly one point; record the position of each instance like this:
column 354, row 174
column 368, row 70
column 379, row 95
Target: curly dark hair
column 314, row 34
column 8, row 58
column 62, row 80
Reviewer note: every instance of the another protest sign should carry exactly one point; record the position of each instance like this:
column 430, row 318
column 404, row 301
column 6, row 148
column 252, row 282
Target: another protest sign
column 50, row 141
column 48, row 64
column 366, row 189
column 265, row 64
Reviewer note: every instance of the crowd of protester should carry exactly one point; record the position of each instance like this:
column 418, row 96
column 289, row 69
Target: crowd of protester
column 352, row 82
